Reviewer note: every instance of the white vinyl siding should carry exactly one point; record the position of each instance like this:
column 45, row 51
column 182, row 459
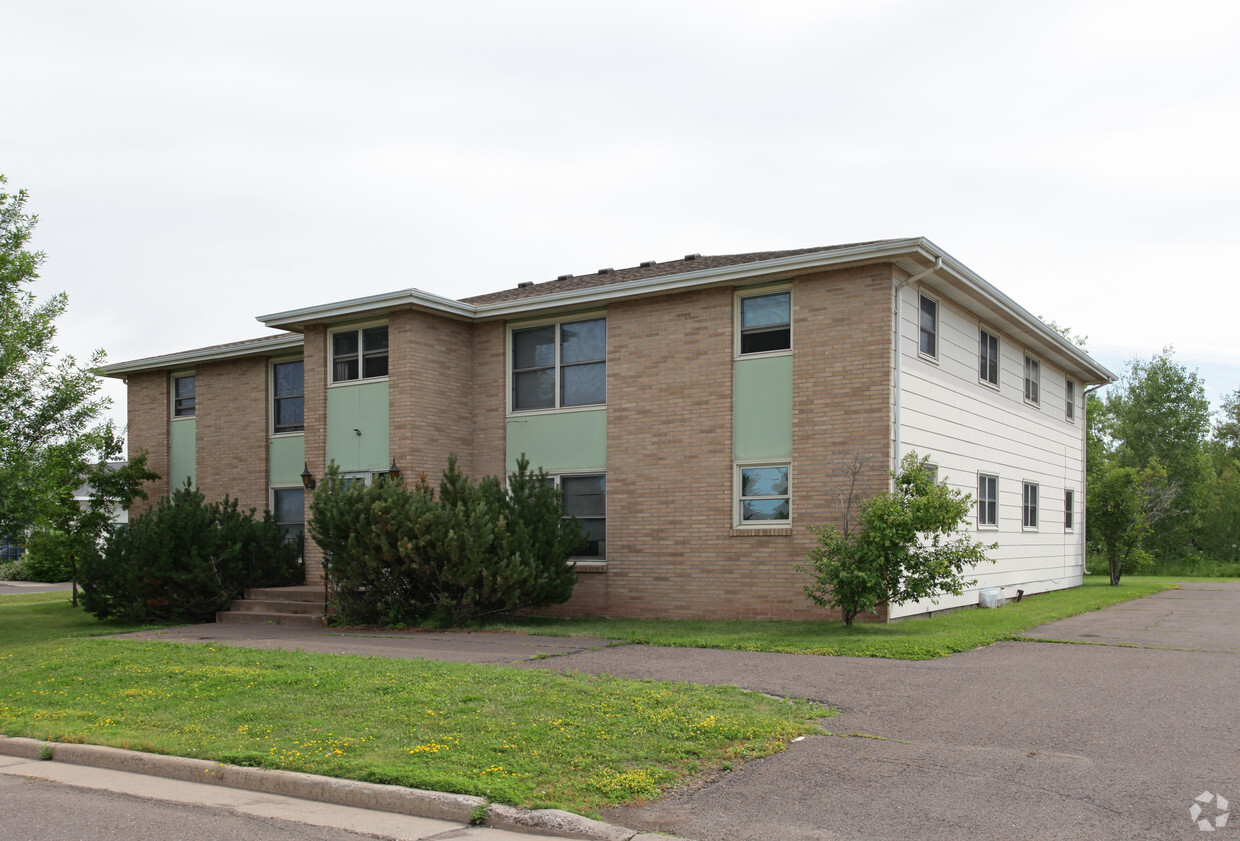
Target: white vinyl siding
column 969, row 427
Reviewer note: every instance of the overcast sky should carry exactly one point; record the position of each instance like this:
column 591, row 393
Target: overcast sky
column 195, row 165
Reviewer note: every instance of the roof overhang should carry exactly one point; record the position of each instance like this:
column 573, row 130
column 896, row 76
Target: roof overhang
column 367, row 307
column 189, row 358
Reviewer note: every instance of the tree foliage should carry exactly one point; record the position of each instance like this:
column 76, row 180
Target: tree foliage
column 907, row 546
column 185, row 559
column 401, row 554
column 49, row 404
column 1125, row 504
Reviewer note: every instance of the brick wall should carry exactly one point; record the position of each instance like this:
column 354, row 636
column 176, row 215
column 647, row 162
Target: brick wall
column 232, row 431
column 430, row 393
column 148, row 408
column 672, row 550
column 315, row 383
column 490, row 382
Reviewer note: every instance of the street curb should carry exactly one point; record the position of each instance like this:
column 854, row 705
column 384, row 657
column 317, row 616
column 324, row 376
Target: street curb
column 385, row 798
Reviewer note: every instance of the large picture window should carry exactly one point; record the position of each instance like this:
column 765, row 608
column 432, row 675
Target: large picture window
column 184, row 396
column 559, row 365
column 287, row 384
column 763, row 495
column 359, row 354
column 765, row 322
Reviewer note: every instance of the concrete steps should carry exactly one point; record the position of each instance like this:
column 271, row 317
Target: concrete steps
column 302, row 605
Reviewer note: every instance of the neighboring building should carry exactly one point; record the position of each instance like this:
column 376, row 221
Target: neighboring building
column 697, row 413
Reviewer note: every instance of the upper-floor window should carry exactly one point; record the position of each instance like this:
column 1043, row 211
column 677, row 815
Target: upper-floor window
column 1033, row 379
column 928, row 342
column 559, row 365
column 1070, row 400
column 765, row 322
column 184, row 400
column 987, row 500
column 988, row 357
column 288, row 410
column 359, row 354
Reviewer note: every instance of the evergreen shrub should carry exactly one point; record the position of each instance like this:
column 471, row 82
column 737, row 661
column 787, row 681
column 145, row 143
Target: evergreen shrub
column 399, row 554
column 185, row 559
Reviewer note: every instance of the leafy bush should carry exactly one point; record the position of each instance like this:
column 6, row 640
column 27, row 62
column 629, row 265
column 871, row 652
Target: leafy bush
column 907, row 547
column 186, row 559
column 12, row 571
column 399, row 554
column 49, row 556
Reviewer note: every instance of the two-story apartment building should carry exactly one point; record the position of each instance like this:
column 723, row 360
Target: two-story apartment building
column 698, row 414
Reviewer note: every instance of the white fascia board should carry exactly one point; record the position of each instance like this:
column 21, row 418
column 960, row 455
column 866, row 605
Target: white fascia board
column 189, row 358
column 1097, row 373
column 368, row 306
column 704, row 277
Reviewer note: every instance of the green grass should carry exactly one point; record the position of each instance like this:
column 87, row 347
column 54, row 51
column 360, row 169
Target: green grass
column 525, row 737
column 911, row 639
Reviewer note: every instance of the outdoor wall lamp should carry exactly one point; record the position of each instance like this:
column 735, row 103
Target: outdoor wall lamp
column 307, row 478
column 394, row 471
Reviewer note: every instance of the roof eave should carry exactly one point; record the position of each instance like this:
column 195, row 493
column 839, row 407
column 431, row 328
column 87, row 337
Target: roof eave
column 189, row 358
column 298, row 319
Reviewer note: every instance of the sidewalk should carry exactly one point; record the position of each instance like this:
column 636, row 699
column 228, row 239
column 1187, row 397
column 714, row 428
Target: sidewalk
column 384, row 811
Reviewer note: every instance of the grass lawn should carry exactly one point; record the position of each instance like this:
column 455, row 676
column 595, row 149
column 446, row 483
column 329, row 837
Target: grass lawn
column 525, row 737
column 912, row 639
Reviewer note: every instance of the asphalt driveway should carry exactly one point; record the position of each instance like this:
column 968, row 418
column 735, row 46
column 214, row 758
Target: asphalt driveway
column 1031, row 740
column 1110, row 732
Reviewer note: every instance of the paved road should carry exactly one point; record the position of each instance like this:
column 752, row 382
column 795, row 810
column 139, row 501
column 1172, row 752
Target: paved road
column 13, row 588
column 1017, row 740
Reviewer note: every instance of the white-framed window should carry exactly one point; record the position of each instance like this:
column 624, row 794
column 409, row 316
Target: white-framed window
column 1029, row 505
column 289, row 507
column 987, row 500
column 559, row 365
column 764, row 321
column 928, row 327
column 1069, row 509
column 763, row 494
column 1033, row 380
column 988, row 357
column 288, row 402
column 584, row 496
column 359, row 353
column 184, row 396
column 1070, row 400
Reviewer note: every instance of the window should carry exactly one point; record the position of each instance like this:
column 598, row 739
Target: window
column 929, row 343
column 1029, row 507
column 763, row 496
column 585, row 497
column 765, row 323
column 359, row 354
column 287, row 386
column 290, row 511
column 1068, row 509
column 987, row 500
column 988, row 357
column 184, row 403
column 556, row 366
column 1033, row 379
column 1070, row 400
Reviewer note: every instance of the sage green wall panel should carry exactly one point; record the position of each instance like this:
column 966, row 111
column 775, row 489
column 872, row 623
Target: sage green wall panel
column 182, row 452
column 563, row 441
column 362, row 407
column 762, row 408
column 288, row 458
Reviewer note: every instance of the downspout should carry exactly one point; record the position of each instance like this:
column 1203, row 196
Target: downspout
column 898, row 324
